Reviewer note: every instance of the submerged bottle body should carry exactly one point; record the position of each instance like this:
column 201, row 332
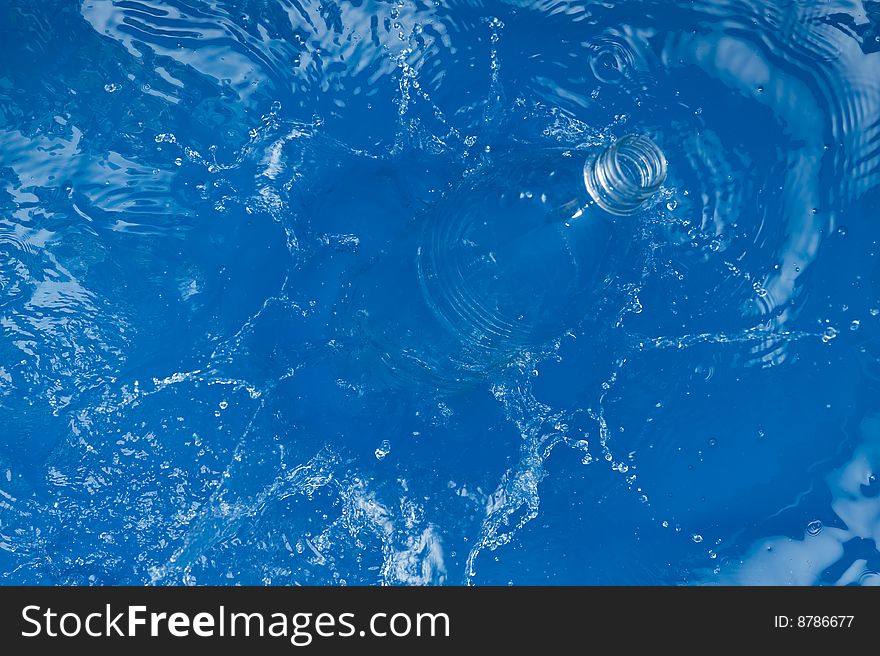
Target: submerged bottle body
column 509, row 260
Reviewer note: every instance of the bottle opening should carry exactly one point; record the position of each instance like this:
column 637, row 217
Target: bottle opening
column 623, row 177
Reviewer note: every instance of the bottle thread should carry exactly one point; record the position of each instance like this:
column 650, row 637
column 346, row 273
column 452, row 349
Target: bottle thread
column 622, row 178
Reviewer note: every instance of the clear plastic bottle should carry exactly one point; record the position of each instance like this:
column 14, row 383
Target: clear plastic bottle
column 509, row 260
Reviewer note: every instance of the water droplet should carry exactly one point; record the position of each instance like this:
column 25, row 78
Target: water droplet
column 829, row 333
column 383, row 450
column 814, row 527
column 696, row 537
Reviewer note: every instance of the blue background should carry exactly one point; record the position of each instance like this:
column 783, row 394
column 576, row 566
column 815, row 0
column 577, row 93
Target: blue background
column 191, row 193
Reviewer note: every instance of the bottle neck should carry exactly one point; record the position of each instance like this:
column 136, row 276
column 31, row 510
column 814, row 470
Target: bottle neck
column 622, row 178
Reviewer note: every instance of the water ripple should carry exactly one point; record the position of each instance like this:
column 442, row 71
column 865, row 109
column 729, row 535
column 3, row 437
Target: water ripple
column 242, row 245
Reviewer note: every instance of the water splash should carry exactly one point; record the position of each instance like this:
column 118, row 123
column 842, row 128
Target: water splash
column 722, row 274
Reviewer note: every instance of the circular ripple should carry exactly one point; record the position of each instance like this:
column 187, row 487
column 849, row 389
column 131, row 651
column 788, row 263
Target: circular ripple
column 513, row 259
column 611, row 59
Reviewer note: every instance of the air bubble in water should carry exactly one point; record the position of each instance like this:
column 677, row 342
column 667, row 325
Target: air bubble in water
column 829, row 333
column 696, row 537
column 814, row 527
column 383, row 450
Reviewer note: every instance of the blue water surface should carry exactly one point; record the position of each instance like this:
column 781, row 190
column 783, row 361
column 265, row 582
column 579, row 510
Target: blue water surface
column 235, row 347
